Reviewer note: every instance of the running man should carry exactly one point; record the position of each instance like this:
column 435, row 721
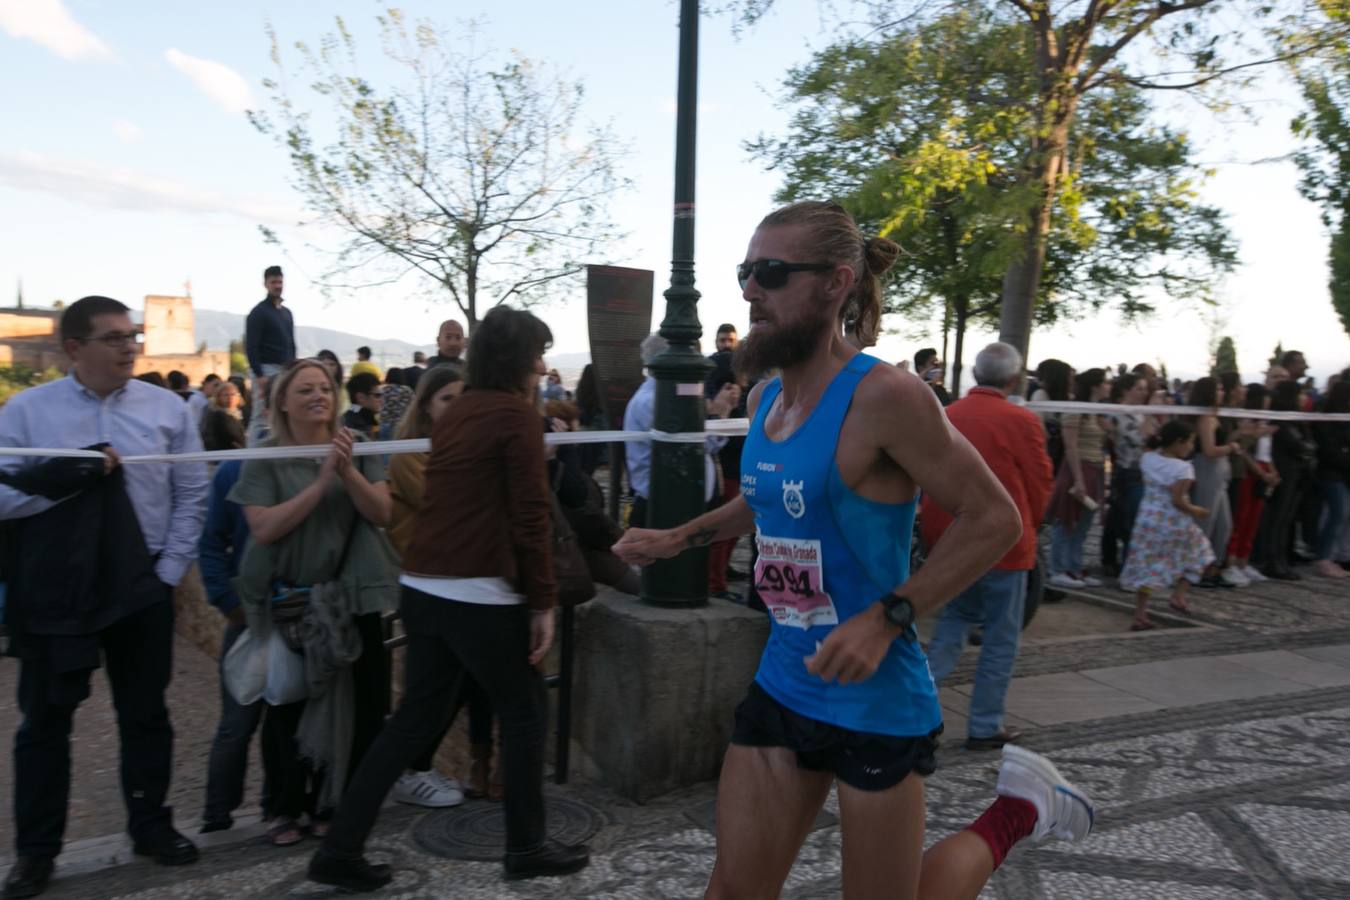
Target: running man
column 838, row 447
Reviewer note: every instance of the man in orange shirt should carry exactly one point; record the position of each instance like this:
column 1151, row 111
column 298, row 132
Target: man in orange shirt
column 1012, row 442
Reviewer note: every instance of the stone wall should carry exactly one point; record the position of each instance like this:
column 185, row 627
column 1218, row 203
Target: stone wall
column 195, row 618
column 169, row 326
column 16, row 323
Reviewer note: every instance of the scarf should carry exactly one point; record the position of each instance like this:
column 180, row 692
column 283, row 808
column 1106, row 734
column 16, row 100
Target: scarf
column 332, row 644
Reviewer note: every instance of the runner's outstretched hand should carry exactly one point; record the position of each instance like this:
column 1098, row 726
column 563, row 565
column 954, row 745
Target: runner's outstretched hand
column 643, row 546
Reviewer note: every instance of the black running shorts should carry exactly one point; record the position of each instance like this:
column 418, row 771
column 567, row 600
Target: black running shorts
column 868, row 762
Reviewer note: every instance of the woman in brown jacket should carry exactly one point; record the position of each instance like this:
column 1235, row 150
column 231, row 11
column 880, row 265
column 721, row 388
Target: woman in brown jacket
column 422, row 785
column 478, row 597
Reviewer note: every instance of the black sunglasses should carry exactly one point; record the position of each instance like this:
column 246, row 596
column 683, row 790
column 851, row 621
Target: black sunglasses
column 773, row 273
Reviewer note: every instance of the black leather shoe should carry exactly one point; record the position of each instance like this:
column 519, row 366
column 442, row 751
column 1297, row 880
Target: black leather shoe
column 28, row 877
column 167, row 849
column 551, row 858
column 217, row 825
column 355, row 875
column 994, row 741
column 736, row 575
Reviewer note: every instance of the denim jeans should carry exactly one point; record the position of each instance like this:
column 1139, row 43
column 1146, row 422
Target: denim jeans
column 445, row 639
column 1066, row 544
column 257, row 425
column 995, row 604
column 228, row 762
column 1334, row 495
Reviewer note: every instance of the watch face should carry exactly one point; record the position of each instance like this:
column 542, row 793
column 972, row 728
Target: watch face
column 899, row 611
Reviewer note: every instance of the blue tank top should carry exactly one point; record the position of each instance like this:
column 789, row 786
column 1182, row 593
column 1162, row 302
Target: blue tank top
column 826, row 554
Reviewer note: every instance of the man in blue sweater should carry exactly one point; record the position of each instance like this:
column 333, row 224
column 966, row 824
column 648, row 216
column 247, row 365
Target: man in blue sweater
column 269, row 343
column 221, row 548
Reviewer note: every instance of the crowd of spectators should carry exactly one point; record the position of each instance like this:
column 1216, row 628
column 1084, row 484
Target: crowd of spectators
column 303, row 557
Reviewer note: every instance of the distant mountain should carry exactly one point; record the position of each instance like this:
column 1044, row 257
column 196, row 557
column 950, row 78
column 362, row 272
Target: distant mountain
column 218, row 328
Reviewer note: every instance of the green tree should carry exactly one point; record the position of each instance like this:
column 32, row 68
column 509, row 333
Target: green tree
column 920, row 132
column 1325, row 156
column 1077, row 49
column 238, row 359
column 483, row 180
column 1275, row 357
column 1225, row 358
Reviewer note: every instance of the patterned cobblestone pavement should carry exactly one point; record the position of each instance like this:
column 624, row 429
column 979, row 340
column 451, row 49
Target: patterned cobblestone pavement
column 1248, row 797
column 1243, row 799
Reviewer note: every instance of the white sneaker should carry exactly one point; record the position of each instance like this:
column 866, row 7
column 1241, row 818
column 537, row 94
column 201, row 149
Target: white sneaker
column 445, row 781
column 1065, row 580
column 1253, row 574
column 1089, row 581
column 426, row 789
column 1061, row 809
column 1236, row 575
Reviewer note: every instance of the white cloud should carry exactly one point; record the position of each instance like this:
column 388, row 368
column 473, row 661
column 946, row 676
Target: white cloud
column 128, row 132
column 94, row 185
column 49, row 23
column 218, row 81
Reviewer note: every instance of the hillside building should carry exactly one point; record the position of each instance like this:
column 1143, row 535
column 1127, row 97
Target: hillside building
column 30, row 337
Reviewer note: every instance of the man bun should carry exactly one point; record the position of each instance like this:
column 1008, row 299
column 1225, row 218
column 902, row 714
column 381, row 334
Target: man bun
column 879, row 254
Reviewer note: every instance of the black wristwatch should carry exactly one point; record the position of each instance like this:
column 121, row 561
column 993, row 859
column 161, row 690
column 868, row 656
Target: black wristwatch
column 900, row 613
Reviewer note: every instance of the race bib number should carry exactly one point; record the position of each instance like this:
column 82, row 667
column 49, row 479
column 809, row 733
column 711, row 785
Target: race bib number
column 790, row 578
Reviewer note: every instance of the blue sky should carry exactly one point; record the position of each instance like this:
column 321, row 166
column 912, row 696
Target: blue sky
column 129, row 167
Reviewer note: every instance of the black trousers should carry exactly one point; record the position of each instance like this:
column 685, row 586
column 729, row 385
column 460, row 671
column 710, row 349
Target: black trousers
column 370, row 688
column 445, row 639
column 295, row 784
column 1277, row 525
column 138, row 657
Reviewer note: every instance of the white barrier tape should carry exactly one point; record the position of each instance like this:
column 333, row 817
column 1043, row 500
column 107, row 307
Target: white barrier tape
column 1109, row 409
column 716, row 427
column 381, row 448
column 684, row 437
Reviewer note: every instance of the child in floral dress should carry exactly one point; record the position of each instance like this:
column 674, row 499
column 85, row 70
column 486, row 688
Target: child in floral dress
column 1166, row 544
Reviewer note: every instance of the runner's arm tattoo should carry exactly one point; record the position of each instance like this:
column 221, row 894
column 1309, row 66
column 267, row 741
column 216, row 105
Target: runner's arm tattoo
column 702, row 537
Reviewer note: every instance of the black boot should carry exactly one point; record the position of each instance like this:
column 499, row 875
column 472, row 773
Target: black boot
column 350, row 874
column 550, row 858
column 28, row 877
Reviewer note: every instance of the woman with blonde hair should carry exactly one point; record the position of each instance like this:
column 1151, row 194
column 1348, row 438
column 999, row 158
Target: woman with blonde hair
column 319, row 570
column 223, row 423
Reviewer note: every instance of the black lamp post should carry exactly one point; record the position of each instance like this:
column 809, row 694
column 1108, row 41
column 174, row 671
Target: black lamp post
column 677, row 472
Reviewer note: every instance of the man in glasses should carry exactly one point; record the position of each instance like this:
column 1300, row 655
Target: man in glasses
column 839, row 447
column 92, row 584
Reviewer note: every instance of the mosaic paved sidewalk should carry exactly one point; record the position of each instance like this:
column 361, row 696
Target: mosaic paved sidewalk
column 1219, row 754
column 1227, row 801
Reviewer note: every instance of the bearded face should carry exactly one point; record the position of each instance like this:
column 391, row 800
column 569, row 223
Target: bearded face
column 781, row 337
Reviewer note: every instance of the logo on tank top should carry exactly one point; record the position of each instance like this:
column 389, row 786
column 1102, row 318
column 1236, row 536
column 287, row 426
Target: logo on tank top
column 793, row 501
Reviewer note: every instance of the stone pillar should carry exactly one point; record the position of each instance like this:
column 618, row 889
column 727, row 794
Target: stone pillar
column 656, row 689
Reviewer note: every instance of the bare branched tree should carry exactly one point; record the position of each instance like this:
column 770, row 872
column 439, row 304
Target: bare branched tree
column 483, row 180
